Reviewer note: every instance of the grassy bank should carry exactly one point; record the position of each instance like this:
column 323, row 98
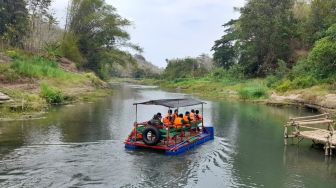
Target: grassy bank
column 254, row 89
column 321, row 96
column 34, row 83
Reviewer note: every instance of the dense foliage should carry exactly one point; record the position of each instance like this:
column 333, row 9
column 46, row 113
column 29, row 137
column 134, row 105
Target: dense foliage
column 13, row 22
column 93, row 36
column 184, row 68
column 298, row 33
column 97, row 31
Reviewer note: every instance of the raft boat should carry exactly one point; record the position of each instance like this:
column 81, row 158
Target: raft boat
column 171, row 141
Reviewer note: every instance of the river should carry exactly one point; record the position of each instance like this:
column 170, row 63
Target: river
column 82, row 146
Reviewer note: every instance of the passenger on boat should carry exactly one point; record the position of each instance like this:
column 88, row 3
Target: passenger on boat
column 156, row 120
column 178, row 122
column 187, row 119
column 168, row 119
column 175, row 115
column 192, row 115
column 198, row 117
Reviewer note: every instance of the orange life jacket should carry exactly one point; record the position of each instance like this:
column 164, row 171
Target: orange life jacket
column 186, row 120
column 192, row 116
column 178, row 122
column 167, row 120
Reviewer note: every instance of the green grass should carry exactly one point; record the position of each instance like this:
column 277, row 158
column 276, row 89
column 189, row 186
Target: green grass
column 52, row 95
column 252, row 92
column 36, row 66
column 249, row 89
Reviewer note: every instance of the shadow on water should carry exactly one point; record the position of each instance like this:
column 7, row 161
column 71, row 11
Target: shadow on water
column 82, row 146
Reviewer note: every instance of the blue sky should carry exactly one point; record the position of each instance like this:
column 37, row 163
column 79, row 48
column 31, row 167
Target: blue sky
column 168, row 29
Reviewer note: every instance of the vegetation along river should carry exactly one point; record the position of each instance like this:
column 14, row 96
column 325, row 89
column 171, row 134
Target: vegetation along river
column 82, row 146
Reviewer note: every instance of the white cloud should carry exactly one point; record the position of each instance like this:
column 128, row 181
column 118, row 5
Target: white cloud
column 172, row 28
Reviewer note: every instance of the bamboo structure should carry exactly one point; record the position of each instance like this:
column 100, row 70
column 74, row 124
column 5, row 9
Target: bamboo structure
column 318, row 128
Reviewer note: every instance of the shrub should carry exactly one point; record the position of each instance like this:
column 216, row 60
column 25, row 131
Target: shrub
column 282, row 70
column 252, row 92
column 7, row 74
column 95, row 80
column 304, row 82
column 51, row 95
column 69, row 48
column 52, row 50
column 284, row 86
column 302, row 67
column 272, row 81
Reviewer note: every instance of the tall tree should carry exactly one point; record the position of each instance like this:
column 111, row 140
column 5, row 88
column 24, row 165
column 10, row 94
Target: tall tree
column 98, row 30
column 13, row 22
column 225, row 52
column 266, row 30
column 41, row 23
column 259, row 37
column 323, row 15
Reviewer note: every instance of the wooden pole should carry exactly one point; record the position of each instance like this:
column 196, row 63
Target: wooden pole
column 286, row 135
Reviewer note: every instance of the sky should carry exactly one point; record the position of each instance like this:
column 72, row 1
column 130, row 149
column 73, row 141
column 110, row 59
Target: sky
column 168, row 29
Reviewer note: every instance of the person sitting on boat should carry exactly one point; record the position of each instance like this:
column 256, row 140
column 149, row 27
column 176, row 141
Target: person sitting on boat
column 178, row 122
column 168, row 119
column 192, row 115
column 156, row 120
column 198, row 117
column 187, row 119
column 175, row 115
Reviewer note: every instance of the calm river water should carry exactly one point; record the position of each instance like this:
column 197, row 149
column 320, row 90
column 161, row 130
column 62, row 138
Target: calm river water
column 82, row 146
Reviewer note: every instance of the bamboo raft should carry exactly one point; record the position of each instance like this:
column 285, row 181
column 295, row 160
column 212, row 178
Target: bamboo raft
column 318, row 128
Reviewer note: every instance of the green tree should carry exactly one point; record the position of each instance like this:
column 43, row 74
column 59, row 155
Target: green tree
column 13, row 22
column 98, row 30
column 184, row 68
column 225, row 53
column 259, row 37
column 323, row 15
column 323, row 55
column 266, row 30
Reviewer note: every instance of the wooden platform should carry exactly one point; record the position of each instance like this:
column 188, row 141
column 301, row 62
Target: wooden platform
column 319, row 129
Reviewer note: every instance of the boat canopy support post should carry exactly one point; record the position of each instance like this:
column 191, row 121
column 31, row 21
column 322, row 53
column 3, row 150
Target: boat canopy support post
column 202, row 116
column 136, row 122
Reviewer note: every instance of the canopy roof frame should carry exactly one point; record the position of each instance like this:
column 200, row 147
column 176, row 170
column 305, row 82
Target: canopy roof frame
column 172, row 103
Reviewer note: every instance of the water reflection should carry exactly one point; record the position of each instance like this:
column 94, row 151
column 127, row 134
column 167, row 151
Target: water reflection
column 82, row 146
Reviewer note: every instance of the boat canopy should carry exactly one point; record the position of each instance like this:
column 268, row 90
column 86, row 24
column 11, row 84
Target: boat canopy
column 172, row 103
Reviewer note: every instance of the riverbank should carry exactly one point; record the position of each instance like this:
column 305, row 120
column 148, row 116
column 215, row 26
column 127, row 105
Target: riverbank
column 320, row 97
column 32, row 84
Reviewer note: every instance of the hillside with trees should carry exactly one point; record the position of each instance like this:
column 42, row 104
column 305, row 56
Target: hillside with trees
column 278, row 51
column 42, row 63
column 271, row 36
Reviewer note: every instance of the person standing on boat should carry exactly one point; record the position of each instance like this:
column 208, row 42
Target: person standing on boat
column 192, row 115
column 198, row 117
column 168, row 119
